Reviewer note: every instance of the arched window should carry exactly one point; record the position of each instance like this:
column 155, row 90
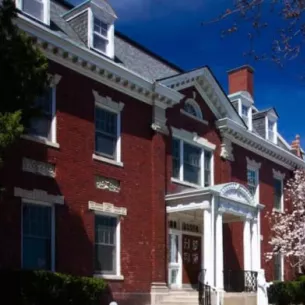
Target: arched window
column 192, row 108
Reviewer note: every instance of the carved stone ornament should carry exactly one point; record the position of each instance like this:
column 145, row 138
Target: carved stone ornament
column 278, row 174
column 38, row 168
column 109, row 184
column 252, row 163
column 159, row 120
column 237, row 192
column 38, row 195
column 227, row 150
column 107, row 208
column 54, row 80
column 108, row 102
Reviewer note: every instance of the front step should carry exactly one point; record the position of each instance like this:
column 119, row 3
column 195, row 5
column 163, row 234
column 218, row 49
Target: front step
column 241, row 298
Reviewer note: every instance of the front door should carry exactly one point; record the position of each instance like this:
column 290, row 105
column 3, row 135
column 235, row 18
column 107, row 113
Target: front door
column 191, row 255
column 174, row 259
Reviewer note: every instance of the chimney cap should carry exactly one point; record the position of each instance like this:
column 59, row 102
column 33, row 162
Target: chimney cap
column 243, row 67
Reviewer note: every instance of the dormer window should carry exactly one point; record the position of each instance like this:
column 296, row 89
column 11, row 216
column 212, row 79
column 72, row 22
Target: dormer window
column 100, row 35
column 37, row 9
column 243, row 102
column 245, row 113
column 93, row 21
column 271, row 132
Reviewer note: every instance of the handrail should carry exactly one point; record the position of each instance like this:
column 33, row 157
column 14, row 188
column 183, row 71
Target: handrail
column 204, row 289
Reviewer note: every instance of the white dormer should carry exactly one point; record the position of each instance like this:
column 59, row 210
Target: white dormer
column 93, row 21
column 36, row 9
column 243, row 103
column 101, row 28
column 271, row 126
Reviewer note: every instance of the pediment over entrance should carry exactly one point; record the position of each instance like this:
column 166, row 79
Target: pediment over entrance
column 236, row 192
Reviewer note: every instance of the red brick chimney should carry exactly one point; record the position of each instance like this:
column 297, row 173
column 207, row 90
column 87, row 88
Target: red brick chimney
column 296, row 147
column 241, row 79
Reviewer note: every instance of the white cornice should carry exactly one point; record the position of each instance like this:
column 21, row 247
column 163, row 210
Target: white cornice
column 100, row 68
column 192, row 138
column 251, row 141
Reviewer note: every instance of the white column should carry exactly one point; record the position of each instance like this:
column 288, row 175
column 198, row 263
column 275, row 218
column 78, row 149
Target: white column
column 247, row 245
column 207, row 245
column 254, row 246
column 259, row 240
column 219, row 250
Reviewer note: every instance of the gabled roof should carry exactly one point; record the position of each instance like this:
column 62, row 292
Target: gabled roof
column 209, row 88
column 263, row 113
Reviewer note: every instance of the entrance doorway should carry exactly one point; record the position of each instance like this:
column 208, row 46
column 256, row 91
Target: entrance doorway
column 174, row 259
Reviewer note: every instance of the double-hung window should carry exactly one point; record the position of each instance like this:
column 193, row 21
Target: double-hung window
column 37, row 9
column 252, row 180
column 278, row 194
column 191, row 163
column 245, row 113
column 106, row 244
column 37, row 236
column 271, row 131
column 41, row 125
column 100, row 35
column 107, row 130
column 278, row 267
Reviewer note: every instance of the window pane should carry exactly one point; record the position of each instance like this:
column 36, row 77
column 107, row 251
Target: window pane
column 106, row 132
column 33, row 8
column 105, row 243
column 105, row 258
column 99, row 43
column 176, row 158
column 191, row 163
column 36, row 237
column 41, row 126
column 207, row 168
column 100, row 27
column 252, row 181
column 278, row 194
column 190, row 109
column 277, row 267
column 244, row 110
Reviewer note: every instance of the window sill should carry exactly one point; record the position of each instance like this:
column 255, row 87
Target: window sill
column 193, row 117
column 278, row 211
column 110, row 277
column 106, row 160
column 41, row 140
column 175, row 180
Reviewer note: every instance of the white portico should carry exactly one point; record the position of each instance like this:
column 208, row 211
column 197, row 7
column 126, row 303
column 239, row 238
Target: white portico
column 206, row 210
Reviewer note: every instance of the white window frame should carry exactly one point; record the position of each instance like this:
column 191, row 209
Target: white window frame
column 282, row 266
column 193, row 139
column 25, row 201
column 246, row 103
column 54, row 80
column 108, row 104
column 46, row 11
column 270, row 118
column 254, row 166
column 94, row 13
column 279, row 176
column 110, row 210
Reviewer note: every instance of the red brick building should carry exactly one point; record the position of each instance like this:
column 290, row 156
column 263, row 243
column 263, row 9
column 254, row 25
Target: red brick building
column 139, row 172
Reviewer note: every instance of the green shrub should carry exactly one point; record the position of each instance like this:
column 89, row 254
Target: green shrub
column 285, row 293
column 47, row 288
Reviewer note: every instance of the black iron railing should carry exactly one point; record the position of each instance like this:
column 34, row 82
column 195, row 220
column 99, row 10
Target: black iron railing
column 240, row 281
column 204, row 289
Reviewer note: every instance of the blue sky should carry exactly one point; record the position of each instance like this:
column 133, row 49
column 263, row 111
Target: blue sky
column 172, row 29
